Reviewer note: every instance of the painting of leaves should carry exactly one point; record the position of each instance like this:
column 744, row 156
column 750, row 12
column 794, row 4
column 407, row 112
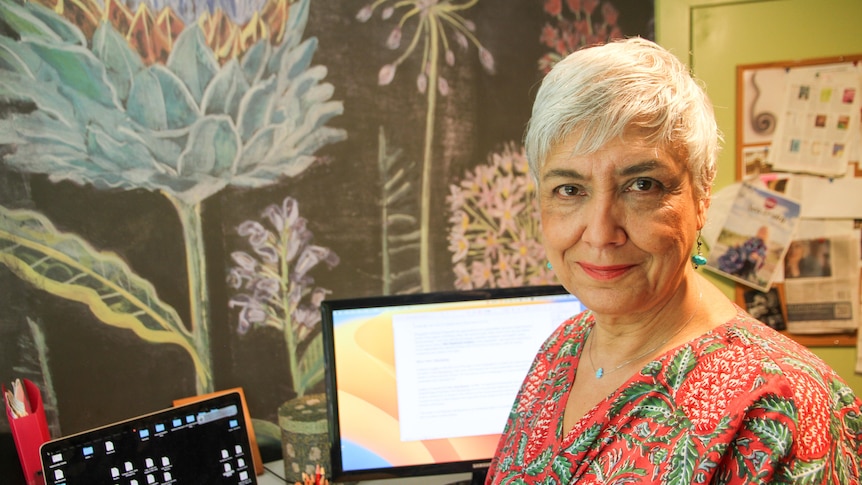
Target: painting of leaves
column 103, row 112
column 183, row 181
column 430, row 38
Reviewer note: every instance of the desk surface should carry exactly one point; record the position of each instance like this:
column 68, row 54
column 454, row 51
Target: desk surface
column 10, row 473
column 273, row 473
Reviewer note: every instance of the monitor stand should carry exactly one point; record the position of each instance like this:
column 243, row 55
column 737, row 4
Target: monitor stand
column 477, row 478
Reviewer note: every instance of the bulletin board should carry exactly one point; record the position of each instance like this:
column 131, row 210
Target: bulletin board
column 760, row 89
column 765, row 98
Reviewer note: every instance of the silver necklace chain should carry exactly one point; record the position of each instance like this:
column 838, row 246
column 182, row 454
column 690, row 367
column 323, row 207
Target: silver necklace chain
column 601, row 372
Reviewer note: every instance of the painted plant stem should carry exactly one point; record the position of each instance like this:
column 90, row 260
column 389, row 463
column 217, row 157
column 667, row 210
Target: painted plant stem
column 291, row 341
column 386, row 263
column 199, row 310
column 427, row 164
column 433, row 17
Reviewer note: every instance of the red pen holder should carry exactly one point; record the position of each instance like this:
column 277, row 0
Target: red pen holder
column 29, row 432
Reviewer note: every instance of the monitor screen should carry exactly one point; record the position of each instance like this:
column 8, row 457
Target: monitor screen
column 422, row 384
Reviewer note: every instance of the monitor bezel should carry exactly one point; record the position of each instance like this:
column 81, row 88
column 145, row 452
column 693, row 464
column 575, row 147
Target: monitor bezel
column 337, row 472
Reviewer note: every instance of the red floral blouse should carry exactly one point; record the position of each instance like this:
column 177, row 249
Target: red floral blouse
column 741, row 404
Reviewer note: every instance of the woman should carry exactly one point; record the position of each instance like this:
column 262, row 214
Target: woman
column 746, row 259
column 792, row 261
column 662, row 379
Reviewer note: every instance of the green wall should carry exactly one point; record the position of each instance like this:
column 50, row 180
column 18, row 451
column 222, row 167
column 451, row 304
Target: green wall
column 714, row 36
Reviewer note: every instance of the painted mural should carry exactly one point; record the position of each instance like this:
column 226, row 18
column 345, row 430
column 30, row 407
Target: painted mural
column 183, row 182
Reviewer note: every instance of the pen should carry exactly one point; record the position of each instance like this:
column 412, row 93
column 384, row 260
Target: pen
column 319, row 477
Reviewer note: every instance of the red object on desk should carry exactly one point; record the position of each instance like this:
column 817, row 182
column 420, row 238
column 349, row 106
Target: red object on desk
column 29, row 432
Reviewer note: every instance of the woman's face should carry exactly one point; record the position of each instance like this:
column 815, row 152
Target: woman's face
column 619, row 224
column 795, row 252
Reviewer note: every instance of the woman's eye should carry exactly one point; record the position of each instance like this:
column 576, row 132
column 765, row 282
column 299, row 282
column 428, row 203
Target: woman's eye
column 567, row 190
column 642, row 185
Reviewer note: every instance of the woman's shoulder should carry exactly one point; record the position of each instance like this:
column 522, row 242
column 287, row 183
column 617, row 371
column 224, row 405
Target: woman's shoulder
column 774, row 365
column 772, row 347
column 794, row 383
column 754, row 341
column 746, row 377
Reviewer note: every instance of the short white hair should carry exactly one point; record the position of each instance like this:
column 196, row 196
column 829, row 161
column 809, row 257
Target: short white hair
column 600, row 92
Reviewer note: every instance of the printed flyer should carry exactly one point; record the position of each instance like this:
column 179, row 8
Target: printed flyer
column 819, row 126
column 754, row 237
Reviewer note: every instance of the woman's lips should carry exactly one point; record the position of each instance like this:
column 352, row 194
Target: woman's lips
column 605, row 272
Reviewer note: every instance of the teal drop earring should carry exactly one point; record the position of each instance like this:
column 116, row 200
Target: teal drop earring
column 548, row 265
column 698, row 259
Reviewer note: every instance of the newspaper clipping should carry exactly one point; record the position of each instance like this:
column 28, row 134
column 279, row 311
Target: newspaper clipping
column 821, row 279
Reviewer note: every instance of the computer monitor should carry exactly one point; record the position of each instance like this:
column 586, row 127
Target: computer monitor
column 423, row 384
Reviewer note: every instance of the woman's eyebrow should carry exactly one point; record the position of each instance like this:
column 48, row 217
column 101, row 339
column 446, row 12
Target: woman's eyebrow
column 563, row 173
column 635, row 169
column 640, row 168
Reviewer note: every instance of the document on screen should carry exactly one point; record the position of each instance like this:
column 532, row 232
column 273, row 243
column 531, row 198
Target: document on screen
column 458, row 375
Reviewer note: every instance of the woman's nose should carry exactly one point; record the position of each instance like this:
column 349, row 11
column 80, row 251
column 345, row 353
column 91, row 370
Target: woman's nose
column 603, row 223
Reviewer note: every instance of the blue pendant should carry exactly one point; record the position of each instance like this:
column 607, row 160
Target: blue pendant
column 698, row 260
column 599, row 373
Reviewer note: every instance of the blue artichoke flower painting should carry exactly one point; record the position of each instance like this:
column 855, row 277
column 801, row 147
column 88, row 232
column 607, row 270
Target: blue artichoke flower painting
column 182, row 114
